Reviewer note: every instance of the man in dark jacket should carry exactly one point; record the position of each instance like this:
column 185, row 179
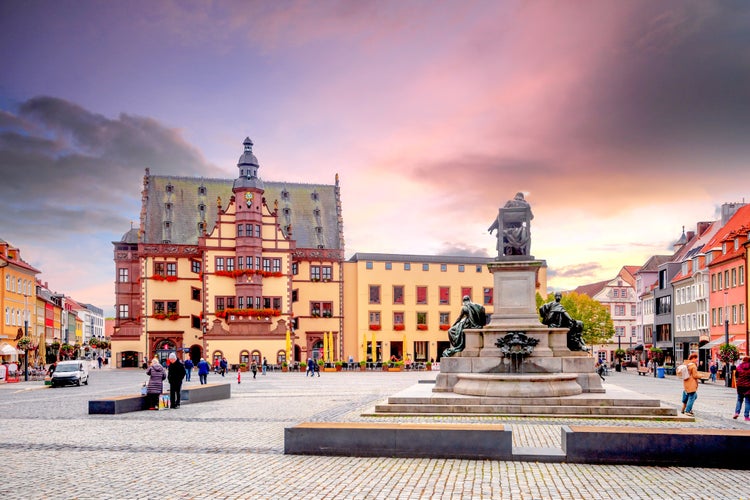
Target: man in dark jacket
column 175, row 376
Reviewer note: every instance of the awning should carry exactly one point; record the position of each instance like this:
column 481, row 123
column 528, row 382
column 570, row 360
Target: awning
column 638, row 347
column 8, row 350
column 737, row 342
column 720, row 341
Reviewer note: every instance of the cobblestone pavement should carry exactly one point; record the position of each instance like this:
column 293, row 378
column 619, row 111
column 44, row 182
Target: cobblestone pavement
column 233, row 448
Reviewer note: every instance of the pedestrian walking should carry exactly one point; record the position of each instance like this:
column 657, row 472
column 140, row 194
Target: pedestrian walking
column 176, row 374
column 99, row 360
column 310, row 368
column 156, row 375
column 216, row 365
column 743, row 388
column 254, row 368
column 713, row 369
column 690, row 385
column 188, row 368
column 223, row 365
column 265, row 365
column 600, row 369
column 317, row 369
column 203, row 369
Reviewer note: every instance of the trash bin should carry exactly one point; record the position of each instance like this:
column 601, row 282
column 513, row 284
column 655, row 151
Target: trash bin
column 660, row 372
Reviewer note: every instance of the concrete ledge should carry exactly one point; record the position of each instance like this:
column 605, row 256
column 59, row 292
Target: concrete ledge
column 725, row 448
column 399, row 440
column 137, row 402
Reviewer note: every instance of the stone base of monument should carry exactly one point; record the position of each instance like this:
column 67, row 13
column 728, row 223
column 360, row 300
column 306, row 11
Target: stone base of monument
column 420, row 400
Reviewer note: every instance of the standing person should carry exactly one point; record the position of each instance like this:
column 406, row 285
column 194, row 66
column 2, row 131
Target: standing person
column 188, row 369
column 156, row 375
column 690, row 385
column 99, row 360
column 254, row 368
column 223, row 366
column 310, row 368
column 203, row 370
column 175, row 376
column 600, row 369
column 265, row 365
column 743, row 388
column 713, row 369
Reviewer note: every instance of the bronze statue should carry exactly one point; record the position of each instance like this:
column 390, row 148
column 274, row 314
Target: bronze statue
column 472, row 316
column 513, row 225
column 554, row 315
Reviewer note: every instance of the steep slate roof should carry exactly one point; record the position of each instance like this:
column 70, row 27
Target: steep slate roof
column 305, row 207
column 592, row 289
column 653, row 263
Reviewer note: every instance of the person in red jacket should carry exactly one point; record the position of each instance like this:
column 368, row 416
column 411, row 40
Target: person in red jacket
column 743, row 387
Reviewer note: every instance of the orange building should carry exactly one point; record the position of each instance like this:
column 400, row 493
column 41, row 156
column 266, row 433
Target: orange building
column 17, row 301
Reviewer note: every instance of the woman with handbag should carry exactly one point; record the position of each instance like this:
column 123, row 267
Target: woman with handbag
column 156, row 375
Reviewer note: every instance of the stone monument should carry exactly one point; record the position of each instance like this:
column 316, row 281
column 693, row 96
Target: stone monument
column 486, row 366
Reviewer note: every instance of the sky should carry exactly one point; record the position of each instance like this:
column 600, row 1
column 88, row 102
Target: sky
column 621, row 122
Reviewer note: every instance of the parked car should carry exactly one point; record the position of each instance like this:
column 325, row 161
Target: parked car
column 70, row 372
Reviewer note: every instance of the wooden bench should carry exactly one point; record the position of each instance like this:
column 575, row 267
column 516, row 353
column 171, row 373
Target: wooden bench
column 137, row 402
column 359, row 439
column 643, row 370
column 725, row 448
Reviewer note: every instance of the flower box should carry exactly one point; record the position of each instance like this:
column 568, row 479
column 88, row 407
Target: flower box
column 422, row 327
column 374, row 327
column 398, row 328
column 444, row 327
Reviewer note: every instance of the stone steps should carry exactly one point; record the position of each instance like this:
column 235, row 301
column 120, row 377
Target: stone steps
column 595, row 401
column 527, row 409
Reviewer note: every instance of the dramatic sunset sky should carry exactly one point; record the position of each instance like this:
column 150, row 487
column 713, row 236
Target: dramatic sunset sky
column 621, row 121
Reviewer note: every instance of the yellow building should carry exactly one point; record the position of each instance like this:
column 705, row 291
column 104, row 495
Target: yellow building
column 403, row 305
column 17, row 300
column 239, row 269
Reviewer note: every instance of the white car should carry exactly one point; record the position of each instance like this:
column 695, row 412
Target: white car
column 70, row 372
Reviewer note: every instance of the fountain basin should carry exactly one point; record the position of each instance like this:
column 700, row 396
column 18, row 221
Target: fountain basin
column 517, row 385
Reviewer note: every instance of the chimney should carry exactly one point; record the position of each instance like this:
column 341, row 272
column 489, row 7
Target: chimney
column 702, row 227
column 690, row 235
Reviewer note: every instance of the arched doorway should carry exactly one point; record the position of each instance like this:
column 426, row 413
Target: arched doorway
column 163, row 349
column 129, row 359
column 196, row 353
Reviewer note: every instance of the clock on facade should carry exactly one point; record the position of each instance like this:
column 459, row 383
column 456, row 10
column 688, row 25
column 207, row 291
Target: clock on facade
column 249, row 199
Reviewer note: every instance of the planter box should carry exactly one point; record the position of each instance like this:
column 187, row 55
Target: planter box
column 397, row 369
column 329, row 370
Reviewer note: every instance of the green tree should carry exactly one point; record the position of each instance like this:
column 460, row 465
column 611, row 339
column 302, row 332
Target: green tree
column 597, row 322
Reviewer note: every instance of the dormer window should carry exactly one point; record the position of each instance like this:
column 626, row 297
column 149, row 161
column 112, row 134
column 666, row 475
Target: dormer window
column 316, row 212
column 202, row 190
column 736, row 243
column 284, row 194
column 724, row 247
column 202, row 208
column 170, row 188
column 287, row 212
column 314, row 196
column 318, row 229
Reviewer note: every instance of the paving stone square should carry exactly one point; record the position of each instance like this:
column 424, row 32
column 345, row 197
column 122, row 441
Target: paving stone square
column 234, row 448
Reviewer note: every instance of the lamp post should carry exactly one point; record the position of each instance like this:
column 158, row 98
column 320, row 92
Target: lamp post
column 26, row 334
column 727, row 368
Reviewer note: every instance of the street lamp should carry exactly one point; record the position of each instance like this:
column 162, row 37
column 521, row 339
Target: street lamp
column 727, row 368
column 26, row 334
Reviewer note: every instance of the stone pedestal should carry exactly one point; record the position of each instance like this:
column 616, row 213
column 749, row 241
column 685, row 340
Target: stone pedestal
column 557, row 370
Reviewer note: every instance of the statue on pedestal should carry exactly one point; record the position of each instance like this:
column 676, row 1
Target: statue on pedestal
column 513, row 225
column 472, row 316
column 554, row 315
